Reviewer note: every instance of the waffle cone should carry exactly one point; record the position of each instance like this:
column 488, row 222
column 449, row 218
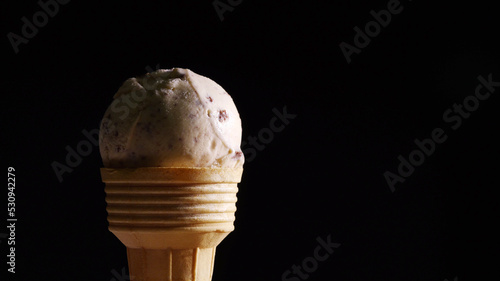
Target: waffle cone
column 171, row 219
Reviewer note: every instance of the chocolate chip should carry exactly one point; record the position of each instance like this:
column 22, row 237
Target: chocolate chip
column 237, row 154
column 147, row 127
column 222, row 115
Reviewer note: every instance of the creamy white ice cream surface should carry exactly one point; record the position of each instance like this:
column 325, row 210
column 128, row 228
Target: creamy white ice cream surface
column 171, row 118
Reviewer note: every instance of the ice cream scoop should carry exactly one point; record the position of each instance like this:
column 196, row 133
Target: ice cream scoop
column 171, row 118
column 170, row 143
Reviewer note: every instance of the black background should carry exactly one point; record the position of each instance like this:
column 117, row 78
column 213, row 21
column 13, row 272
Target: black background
column 322, row 175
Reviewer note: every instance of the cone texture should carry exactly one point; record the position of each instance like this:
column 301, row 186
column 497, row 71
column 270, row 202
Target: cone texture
column 171, row 219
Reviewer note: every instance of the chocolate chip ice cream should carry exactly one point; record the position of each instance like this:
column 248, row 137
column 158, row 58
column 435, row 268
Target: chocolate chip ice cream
column 171, row 118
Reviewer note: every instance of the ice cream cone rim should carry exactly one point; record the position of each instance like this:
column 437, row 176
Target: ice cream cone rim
column 172, row 175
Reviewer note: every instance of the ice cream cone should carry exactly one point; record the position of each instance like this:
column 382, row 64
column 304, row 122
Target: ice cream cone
column 171, row 219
